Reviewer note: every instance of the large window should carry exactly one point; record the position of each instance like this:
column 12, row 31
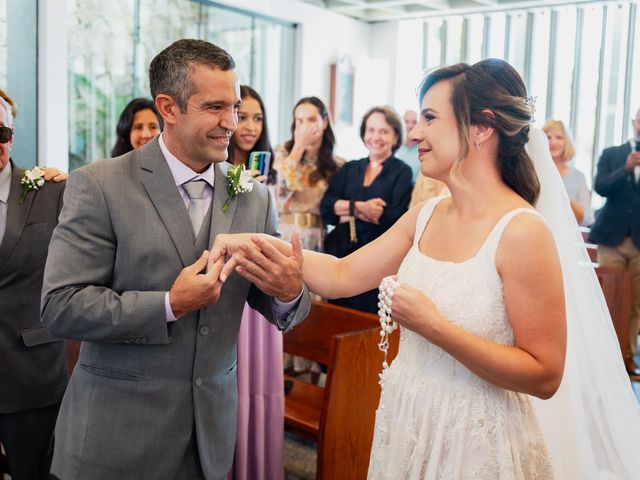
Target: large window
column 578, row 60
column 18, row 75
column 112, row 43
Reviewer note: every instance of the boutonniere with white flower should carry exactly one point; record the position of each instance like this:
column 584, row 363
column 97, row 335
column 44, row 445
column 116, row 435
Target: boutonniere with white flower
column 238, row 181
column 31, row 180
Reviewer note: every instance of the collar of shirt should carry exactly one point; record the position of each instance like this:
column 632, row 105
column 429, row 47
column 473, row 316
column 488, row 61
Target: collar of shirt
column 182, row 174
column 5, row 182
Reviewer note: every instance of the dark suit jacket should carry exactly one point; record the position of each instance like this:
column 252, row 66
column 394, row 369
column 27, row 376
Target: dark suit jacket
column 620, row 215
column 33, row 366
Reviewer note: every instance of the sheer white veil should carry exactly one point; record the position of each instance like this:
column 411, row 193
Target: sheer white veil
column 592, row 424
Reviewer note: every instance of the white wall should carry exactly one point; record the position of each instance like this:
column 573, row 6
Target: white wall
column 53, row 118
column 401, row 43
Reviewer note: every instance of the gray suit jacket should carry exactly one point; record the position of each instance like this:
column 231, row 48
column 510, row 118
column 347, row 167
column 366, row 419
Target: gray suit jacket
column 141, row 385
column 33, row 365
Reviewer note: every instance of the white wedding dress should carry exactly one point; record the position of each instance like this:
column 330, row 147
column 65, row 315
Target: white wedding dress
column 436, row 419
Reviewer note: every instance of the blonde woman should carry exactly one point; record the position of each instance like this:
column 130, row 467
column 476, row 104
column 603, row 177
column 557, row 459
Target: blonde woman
column 562, row 152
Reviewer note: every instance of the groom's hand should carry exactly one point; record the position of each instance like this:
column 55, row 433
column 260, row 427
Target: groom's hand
column 277, row 274
column 194, row 290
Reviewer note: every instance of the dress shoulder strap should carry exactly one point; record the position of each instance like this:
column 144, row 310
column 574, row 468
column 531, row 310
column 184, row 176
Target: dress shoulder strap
column 493, row 240
column 423, row 217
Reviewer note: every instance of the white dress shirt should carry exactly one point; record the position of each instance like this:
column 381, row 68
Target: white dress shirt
column 5, row 186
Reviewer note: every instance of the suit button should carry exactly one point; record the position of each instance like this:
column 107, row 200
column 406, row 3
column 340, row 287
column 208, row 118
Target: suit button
column 204, row 330
column 143, row 340
column 198, row 381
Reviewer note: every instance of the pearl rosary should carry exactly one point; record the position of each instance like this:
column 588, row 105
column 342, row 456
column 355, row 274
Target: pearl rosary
column 387, row 326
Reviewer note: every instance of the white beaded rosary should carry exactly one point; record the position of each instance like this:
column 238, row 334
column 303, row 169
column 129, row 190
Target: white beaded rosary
column 385, row 297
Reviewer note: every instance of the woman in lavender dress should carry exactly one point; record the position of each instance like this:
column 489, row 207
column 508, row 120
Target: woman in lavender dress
column 260, row 442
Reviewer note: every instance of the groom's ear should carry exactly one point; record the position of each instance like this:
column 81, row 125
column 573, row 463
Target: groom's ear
column 168, row 108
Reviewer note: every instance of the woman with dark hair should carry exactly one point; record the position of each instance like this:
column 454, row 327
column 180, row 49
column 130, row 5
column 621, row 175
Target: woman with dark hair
column 252, row 134
column 365, row 197
column 259, row 453
column 305, row 163
column 139, row 122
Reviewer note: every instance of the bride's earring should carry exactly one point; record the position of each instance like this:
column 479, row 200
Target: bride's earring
column 477, row 144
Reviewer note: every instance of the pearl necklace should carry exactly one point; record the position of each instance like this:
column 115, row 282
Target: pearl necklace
column 387, row 326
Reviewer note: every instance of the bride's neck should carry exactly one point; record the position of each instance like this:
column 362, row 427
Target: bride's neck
column 479, row 189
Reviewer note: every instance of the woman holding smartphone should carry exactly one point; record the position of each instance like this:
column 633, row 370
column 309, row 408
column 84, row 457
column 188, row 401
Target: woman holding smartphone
column 260, row 440
column 252, row 134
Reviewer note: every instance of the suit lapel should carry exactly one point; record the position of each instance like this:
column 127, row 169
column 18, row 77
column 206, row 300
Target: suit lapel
column 16, row 214
column 161, row 188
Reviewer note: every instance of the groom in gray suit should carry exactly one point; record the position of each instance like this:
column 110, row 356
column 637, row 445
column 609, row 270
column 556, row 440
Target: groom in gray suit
column 154, row 392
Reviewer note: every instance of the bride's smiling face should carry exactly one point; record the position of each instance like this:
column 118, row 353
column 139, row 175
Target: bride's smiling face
column 437, row 132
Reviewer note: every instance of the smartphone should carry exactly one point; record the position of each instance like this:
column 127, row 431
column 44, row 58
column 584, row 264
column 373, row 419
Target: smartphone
column 260, row 161
column 637, row 145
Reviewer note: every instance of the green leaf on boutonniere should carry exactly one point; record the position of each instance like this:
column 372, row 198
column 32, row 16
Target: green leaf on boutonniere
column 238, row 181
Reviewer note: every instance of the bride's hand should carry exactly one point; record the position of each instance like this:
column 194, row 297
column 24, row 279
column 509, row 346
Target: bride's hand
column 226, row 244
column 414, row 310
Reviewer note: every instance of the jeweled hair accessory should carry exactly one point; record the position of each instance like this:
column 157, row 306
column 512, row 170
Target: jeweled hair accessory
column 531, row 101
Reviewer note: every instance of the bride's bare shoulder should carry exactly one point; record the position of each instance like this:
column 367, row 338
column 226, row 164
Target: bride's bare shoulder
column 526, row 236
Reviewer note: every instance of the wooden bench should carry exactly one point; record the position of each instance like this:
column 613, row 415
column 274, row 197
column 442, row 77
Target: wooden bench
column 340, row 416
column 616, row 287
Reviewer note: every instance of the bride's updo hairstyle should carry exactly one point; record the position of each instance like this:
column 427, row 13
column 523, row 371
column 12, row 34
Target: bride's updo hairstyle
column 496, row 86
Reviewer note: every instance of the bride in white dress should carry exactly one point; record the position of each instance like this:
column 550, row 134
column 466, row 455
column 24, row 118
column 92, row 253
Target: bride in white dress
column 481, row 304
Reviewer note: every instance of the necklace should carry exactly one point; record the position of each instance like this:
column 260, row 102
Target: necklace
column 387, row 326
column 374, row 164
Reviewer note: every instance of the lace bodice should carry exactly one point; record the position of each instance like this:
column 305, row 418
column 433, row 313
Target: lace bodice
column 468, row 294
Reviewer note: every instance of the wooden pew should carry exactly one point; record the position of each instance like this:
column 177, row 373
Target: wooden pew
column 340, row 416
column 616, row 287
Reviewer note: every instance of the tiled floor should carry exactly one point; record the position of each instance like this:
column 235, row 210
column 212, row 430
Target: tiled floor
column 299, row 459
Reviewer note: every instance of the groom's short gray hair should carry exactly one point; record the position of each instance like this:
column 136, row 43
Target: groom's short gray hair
column 170, row 70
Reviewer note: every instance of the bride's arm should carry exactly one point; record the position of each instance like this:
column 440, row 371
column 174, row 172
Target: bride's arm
column 324, row 274
column 530, row 269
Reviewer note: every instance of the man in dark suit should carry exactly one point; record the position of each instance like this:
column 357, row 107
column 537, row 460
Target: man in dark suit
column 33, row 367
column 617, row 228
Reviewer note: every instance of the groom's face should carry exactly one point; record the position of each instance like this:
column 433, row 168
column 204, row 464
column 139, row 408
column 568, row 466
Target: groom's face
column 211, row 116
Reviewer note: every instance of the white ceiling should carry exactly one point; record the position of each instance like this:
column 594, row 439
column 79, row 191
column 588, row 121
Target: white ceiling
column 382, row 10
